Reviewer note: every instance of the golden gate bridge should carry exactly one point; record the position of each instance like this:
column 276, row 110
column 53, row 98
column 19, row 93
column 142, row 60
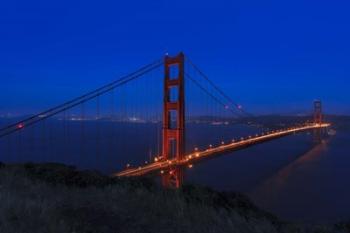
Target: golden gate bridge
column 159, row 111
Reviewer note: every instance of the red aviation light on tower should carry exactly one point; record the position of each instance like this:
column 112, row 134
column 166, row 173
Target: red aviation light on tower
column 20, row 126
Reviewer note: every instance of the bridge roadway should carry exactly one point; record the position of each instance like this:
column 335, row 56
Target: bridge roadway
column 199, row 155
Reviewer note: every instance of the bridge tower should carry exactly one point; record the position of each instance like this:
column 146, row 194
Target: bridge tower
column 318, row 117
column 173, row 145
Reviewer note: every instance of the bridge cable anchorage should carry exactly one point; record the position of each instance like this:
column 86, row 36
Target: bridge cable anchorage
column 79, row 100
column 209, row 94
column 229, row 99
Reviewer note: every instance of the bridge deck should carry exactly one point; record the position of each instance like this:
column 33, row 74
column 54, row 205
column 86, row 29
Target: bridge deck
column 199, row 155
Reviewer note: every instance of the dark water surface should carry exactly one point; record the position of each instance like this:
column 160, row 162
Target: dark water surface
column 291, row 177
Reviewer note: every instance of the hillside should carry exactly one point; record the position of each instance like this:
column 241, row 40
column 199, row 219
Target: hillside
column 41, row 198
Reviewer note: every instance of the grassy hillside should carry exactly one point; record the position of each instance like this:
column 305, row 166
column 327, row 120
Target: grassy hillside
column 50, row 198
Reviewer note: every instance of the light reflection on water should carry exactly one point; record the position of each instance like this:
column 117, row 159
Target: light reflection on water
column 269, row 193
column 291, row 176
column 306, row 182
column 280, row 179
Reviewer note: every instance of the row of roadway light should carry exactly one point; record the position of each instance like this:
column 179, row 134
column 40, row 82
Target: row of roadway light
column 196, row 153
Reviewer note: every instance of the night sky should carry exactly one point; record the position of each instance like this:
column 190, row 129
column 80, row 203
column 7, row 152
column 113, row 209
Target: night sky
column 270, row 56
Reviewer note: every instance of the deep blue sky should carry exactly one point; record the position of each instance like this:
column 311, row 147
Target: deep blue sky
column 271, row 56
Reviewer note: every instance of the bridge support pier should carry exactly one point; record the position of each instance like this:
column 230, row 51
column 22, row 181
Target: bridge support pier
column 173, row 178
column 173, row 145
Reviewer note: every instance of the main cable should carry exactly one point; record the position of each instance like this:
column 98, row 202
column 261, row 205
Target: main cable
column 229, row 99
column 154, row 64
column 79, row 100
column 209, row 94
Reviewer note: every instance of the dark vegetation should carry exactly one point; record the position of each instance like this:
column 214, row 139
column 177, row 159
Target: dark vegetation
column 42, row 198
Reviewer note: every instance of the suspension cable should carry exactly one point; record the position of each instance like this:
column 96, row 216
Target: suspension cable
column 209, row 94
column 229, row 99
column 79, row 100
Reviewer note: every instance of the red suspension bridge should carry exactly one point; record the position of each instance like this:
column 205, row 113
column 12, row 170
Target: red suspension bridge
column 161, row 117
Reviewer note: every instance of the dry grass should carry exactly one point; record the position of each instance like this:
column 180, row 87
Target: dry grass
column 52, row 198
